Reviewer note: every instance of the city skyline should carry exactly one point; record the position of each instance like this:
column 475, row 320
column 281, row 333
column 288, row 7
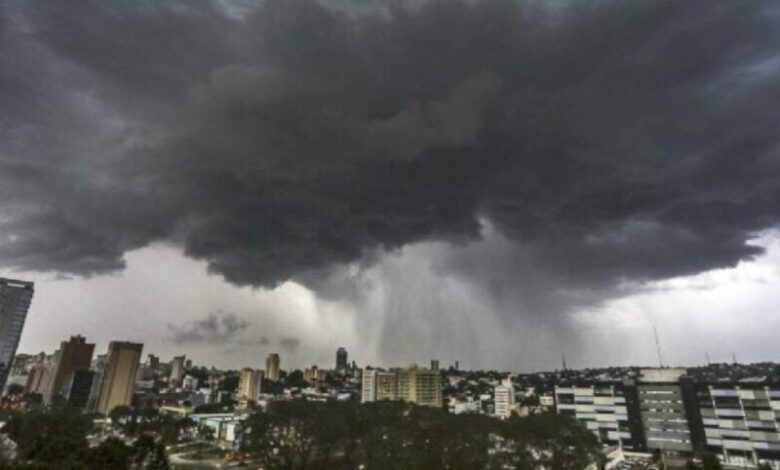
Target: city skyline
column 494, row 182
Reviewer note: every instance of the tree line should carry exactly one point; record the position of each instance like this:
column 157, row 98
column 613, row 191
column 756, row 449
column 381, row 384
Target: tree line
column 291, row 435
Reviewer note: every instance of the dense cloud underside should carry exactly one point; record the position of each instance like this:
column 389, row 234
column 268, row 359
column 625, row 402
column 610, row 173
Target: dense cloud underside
column 599, row 142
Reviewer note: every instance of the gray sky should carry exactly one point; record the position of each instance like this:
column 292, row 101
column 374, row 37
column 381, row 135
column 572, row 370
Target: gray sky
column 494, row 181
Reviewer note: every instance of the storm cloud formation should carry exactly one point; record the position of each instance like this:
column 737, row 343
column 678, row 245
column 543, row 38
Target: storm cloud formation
column 600, row 143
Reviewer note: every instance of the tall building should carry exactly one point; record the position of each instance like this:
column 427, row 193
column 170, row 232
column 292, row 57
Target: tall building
column 341, row 360
column 15, row 299
column 249, row 384
column 73, row 355
column 272, row 367
column 78, row 386
column 368, row 385
column 664, row 414
column 152, row 362
column 119, row 374
column 434, row 364
column 177, row 370
column 504, row 398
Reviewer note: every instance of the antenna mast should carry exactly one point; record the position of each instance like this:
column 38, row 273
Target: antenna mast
column 657, row 347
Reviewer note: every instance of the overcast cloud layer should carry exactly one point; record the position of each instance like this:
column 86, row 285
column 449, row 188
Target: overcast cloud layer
column 546, row 156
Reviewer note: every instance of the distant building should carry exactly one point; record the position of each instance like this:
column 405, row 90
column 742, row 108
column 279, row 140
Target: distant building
column 177, row 370
column 249, row 384
column 313, row 375
column 412, row 384
column 73, row 355
column 118, row 379
column 272, row 367
column 341, row 360
column 15, row 299
column 189, row 383
column 77, row 388
column 434, row 364
column 368, row 385
column 152, row 362
column 504, row 398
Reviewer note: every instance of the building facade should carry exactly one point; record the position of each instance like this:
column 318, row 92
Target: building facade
column 341, row 360
column 740, row 422
column 412, row 384
column 249, row 384
column 177, row 370
column 118, row 381
column 15, row 299
column 73, row 355
column 272, row 367
column 504, row 398
column 609, row 410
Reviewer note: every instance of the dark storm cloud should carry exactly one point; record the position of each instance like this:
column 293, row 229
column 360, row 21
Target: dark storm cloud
column 604, row 141
column 216, row 328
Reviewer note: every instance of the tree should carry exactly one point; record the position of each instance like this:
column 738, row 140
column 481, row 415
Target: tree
column 111, row 454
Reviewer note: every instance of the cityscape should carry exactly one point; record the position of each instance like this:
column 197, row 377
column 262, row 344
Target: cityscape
column 390, row 234
column 638, row 417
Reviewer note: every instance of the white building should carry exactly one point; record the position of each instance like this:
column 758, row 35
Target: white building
column 368, row 385
column 504, row 398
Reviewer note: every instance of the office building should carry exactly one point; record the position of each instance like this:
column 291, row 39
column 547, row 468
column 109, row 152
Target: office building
column 368, row 385
column 119, row 374
column 77, row 388
column 177, row 371
column 73, row 355
column 249, row 384
column 740, row 422
column 341, row 360
column 272, row 367
column 412, row 384
column 609, row 410
column 664, row 414
column 434, row 364
column 15, row 299
column 504, row 398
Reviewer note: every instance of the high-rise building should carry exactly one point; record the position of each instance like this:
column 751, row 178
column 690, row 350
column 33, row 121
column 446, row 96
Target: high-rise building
column 73, row 355
column 341, row 360
column 504, row 398
column 78, row 386
column 434, row 364
column 99, row 368
column 368, row 385
column 249, row 384
column 15, row 299
column 119, row 374
column 177, row 370
column 152, row 362
column 664, row 416
column 272, row 367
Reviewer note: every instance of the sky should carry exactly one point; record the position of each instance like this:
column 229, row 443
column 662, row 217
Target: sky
column 497, row 182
